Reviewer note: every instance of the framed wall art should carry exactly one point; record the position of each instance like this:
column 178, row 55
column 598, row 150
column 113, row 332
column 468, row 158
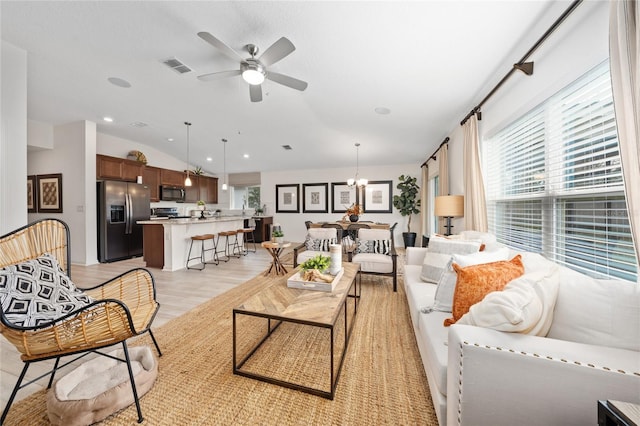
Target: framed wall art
column 377, row 197
column 31, row 194
column 315, row 198
column 288, row 198
column 342, row 197
column 49, row 193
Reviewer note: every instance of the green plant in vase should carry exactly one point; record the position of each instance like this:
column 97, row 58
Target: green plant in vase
column 313, row 269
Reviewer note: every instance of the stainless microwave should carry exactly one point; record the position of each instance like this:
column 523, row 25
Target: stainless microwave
column 172, row 193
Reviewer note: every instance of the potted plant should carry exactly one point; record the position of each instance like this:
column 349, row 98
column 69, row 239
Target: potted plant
column 200, row 204
column 278, row 236
column 408, row 204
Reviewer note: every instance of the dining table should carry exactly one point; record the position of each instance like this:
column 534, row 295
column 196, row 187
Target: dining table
column 345, row 224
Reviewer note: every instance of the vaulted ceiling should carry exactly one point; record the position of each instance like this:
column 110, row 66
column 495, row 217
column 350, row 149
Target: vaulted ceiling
column 426, row 63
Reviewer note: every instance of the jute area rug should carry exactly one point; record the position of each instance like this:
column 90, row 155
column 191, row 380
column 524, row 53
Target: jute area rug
column 382, row 380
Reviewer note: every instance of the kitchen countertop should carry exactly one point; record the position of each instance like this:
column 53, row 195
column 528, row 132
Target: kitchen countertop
column 191, row 221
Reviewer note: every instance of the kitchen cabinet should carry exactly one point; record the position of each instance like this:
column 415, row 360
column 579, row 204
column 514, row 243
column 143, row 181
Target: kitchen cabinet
column 192, row 193
column 212, row 190
column 121, row 169
column 153, row 245
column 202, row 188
column 172, row 177
column 263, row 228
column 131, row 169
column 151, row 178
column 108, row 167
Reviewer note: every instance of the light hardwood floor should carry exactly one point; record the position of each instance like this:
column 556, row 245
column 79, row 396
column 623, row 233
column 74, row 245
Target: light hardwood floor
column 177, row 292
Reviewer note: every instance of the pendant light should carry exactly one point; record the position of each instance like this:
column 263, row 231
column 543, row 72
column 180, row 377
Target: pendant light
column 224, row 165
column 357, row 181
column 187, row 181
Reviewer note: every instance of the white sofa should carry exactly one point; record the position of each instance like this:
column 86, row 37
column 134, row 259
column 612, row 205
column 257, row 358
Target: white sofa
column 479, row 376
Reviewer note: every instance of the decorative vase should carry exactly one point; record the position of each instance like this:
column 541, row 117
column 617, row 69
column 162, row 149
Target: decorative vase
column 354, row 218
column 278, row 240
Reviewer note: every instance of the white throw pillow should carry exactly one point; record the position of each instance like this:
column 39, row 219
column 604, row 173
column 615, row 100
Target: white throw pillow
column 447, row 282
column 597, row 311
column 525, row 305
column 439, row 254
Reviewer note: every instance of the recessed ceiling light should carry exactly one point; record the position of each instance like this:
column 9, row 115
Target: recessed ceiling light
column 246, row 155
column 383, row 110
column 170, row 139
column 209, row 159
column 107, row 119
column 119, row 82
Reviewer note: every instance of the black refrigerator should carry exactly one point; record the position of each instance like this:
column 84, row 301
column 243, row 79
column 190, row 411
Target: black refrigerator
column 120, row 206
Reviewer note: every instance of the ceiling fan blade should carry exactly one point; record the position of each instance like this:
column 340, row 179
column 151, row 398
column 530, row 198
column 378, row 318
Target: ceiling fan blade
column 218, row 75
column 285, row 80
column 277, row 51
column 255, row 92
column 220, row 45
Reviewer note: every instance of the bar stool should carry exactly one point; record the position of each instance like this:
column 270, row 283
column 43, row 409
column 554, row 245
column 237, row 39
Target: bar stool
column 234, row 251
column 203, row 251
column 248, row 236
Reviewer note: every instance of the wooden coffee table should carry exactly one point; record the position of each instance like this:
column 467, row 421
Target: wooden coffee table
column 280, row 304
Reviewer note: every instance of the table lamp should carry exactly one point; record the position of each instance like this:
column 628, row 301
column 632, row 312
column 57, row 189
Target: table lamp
column 449, row 206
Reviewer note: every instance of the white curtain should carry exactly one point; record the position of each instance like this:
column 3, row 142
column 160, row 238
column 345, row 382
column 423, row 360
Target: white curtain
column 424, row 201
column 624, row 54
column 475, row 204
column 443, row 180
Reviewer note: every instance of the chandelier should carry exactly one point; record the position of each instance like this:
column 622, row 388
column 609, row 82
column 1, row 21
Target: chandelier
column 357, row 181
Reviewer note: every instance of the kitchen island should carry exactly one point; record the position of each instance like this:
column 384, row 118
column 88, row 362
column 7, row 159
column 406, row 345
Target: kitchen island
column 166, row 242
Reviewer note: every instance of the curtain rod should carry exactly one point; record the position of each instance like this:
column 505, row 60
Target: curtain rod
column 521, row 62
column 435, row 152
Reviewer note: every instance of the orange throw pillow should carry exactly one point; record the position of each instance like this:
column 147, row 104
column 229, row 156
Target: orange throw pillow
column 476, row 281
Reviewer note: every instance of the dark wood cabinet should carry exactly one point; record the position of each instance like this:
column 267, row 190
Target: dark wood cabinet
column 192, row 193
column 263, row 228
column 202, row 187
column 212, row 190
column 108, row 167
column 131, row 169
column 151, row 178
column 118, row 168
column 172, row 177
column 153, row 245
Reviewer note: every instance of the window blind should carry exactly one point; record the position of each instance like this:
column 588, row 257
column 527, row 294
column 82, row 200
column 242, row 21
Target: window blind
column 554, row 181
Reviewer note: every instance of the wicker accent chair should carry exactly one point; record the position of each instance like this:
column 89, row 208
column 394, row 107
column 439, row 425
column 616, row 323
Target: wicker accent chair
column 123, row 307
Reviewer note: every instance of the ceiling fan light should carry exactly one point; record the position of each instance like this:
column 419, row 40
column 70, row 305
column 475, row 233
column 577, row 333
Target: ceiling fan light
column 253, row 76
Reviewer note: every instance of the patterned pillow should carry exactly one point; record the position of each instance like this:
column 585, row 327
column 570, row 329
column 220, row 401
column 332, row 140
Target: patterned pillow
column 38, row 291
column 316, row 244
column 373, row 246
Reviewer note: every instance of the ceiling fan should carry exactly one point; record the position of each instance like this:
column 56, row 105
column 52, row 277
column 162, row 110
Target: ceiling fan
column 254, row 70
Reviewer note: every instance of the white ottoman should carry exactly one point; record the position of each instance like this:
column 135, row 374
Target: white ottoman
column 100, row 387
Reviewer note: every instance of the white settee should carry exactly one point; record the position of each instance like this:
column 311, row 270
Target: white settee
column 480, row 376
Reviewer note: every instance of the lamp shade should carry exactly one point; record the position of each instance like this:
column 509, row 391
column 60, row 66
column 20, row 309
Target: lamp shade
column 449, row 206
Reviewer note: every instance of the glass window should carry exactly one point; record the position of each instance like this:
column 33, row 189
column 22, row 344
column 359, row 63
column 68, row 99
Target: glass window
column 554, row 181
column 245, row 197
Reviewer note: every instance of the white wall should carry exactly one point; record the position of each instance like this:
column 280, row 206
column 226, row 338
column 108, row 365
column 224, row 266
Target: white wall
column 578, row 45
column 39, row 135
column 73, row 155
column 293, row 223
column 13, row 139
